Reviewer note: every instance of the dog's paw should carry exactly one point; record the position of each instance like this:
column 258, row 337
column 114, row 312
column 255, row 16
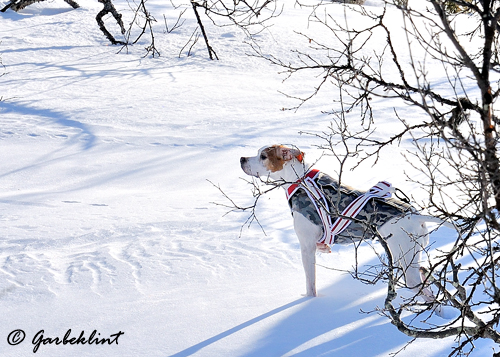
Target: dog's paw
column 323, row 248
column 311, row 294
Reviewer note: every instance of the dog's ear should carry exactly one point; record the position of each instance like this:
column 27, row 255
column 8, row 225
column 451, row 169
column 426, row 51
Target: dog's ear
column 300, row 156
column 289, row 153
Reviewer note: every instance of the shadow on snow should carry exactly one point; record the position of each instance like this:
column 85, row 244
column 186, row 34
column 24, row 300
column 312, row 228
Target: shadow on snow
column 85, row 135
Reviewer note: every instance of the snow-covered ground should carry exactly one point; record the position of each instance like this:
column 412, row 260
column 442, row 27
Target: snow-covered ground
column 107, row 219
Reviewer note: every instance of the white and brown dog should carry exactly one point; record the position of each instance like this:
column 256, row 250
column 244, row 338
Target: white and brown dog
column 406, row 233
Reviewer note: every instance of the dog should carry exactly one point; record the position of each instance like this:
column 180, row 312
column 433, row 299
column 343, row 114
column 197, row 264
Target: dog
column 401, row 226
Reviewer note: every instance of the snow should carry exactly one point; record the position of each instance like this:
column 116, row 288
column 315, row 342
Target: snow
column 106, row 203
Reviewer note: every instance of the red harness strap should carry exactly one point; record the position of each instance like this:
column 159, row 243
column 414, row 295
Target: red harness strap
column 311, row 174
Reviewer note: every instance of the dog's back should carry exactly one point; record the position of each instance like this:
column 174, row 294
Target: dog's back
column 374, row 214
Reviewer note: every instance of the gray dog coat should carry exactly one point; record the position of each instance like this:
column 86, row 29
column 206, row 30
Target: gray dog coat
column 334, row 199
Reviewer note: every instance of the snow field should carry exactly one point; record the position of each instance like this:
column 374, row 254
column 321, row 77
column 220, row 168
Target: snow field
column 106, row 215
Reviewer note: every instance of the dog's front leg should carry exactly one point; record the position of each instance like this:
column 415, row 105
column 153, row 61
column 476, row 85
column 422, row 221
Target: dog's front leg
column 309, row 263
column 308, row 233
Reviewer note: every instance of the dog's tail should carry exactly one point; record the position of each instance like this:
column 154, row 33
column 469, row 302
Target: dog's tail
column 432, row 219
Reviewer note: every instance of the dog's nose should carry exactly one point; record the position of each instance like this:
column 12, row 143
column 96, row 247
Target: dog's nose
column 243, row 160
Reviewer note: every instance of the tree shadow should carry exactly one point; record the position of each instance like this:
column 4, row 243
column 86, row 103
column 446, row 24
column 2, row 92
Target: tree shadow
column 86, row 137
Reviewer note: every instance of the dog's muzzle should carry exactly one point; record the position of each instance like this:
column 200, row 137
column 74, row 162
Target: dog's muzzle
column 245, row 166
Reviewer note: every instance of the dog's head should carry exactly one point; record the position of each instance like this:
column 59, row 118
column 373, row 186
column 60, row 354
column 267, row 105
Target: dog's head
column 270, row 160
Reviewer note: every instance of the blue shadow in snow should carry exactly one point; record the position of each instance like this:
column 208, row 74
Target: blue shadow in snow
column 85, row 136
column 341, row 322
column 193, row 349
column 325, row 327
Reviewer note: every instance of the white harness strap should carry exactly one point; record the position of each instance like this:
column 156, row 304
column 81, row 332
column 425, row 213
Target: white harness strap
column 382, row 190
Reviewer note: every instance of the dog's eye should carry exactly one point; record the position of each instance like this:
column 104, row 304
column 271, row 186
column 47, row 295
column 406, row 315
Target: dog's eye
column 263, row 156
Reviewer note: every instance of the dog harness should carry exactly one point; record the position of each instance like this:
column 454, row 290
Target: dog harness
column 344, row 213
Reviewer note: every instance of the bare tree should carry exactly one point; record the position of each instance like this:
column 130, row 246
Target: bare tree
column 387, row 52
column 251, row 17
column 17, row 5
column 144, row 20
column 108, row 7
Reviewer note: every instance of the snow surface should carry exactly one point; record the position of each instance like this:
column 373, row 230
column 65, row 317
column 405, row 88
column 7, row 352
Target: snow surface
column 107, row 220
